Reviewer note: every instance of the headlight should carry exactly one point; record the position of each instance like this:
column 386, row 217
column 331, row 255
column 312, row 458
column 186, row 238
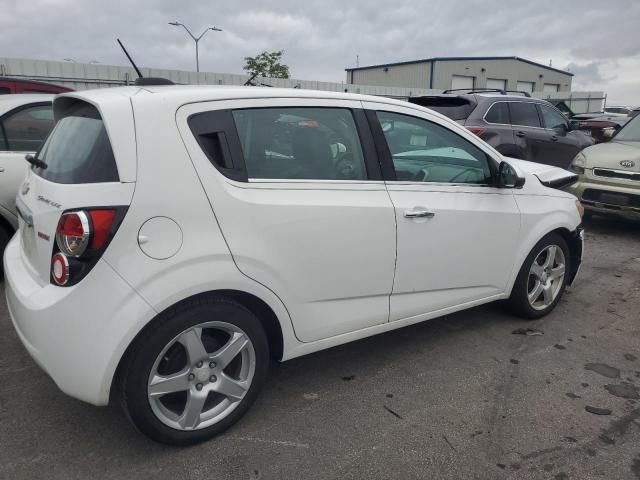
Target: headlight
column 578, row 163
column 580, row 208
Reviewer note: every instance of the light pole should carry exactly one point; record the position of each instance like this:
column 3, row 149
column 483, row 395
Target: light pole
column 195, row 39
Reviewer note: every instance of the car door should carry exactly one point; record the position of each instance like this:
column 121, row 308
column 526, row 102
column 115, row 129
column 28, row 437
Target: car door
column 564, row 145
column 457, row 234
column 22, row 131
column 297, row 190
column 530, row 136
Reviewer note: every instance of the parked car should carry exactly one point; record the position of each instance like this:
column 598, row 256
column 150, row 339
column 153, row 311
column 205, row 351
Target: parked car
column 601, row 127
column 21, row 85
column 515, row 125
column 618, row 109
column 25, row 121
column 180, row 236
column 609, row 181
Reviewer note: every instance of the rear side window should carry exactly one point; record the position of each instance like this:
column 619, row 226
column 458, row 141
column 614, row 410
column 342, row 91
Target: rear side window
column 498, row 113
column 524, row 114
column 300, row 143
column 456, row 108
column 25, row 130
column 78, row 149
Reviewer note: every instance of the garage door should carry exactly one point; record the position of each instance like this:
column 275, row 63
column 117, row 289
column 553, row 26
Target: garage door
column 550, row 87
column 525, row 86
column 496, row 83
column 460, row 81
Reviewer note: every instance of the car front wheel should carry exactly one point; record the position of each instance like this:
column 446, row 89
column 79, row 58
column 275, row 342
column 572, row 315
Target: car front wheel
column 542, row 278
column 196, row 371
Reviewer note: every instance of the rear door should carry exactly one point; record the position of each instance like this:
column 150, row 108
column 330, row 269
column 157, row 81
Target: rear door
column 22, row 131
column 530, row 136
column 499, row 132
column 81, row 172
column 297, row 190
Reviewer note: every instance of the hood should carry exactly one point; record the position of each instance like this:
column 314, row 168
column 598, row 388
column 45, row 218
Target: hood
column 548, row 175
column 610, row 154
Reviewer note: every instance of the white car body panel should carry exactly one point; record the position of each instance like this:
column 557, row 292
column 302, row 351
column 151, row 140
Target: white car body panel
column 320, row 254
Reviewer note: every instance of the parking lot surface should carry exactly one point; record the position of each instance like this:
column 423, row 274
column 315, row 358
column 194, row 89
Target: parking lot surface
column 458, row 397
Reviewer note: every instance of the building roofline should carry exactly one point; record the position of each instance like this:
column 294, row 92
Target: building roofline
column 449, row 59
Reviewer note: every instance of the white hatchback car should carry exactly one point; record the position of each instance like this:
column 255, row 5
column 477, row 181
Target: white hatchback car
column 25, row 121
column 180, row 237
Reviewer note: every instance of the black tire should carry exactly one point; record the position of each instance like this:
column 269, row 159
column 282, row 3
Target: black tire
column 4, row 240
column 519, row 301
column 171, row 323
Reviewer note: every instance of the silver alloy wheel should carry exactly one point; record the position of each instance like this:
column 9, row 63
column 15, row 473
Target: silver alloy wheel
column 201, row 376
column 546, row 277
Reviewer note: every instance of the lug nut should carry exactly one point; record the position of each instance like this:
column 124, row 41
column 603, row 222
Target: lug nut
column 212, row 378
column 191, row 376
column 199, row 386
column 212, row 365
column 199, row 364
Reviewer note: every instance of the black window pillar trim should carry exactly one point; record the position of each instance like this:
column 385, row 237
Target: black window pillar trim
column 380, row 142
column 367, row 143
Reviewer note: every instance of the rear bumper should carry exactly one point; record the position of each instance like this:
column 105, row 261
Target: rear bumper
column 76, row 334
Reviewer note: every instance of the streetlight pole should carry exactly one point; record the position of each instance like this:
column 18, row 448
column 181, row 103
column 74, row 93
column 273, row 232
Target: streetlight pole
column 195, row 39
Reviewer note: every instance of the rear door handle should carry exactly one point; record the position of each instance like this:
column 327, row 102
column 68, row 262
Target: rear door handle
column 1, row 169
column 554, row 138
column 417, row 212
column 520, row 134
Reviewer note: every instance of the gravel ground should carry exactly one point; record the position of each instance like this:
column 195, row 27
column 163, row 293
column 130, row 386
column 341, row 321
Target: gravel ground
column 458, row 397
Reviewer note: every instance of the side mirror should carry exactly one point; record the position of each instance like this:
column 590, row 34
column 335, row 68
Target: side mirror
column 562, row 129
column 508, row 177
column 608, row 132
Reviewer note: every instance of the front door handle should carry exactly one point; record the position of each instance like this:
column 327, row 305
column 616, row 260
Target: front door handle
column 418, row 213
column 520, row 134
column 554, row 138
column 1, row 169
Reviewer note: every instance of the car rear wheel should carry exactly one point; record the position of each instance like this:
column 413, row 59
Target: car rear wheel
column 196, row 372
column 542, row 278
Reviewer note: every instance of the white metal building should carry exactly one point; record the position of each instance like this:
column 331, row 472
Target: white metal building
column 506, row 73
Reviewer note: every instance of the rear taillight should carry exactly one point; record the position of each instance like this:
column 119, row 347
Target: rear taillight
column 81, row 238
column 477, row 130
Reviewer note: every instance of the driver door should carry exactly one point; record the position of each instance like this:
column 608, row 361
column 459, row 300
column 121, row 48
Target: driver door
column 456, row 234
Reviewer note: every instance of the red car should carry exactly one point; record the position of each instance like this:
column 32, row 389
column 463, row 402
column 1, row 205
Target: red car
column 19, row 85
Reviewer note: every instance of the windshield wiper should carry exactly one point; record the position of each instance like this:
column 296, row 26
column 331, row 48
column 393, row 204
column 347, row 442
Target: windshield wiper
column 36, row 162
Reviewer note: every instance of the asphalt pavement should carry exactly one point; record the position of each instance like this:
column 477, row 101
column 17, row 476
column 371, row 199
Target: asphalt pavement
column 460, row 397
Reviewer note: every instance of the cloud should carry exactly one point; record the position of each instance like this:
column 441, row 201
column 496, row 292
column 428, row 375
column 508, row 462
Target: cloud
column 322, row 37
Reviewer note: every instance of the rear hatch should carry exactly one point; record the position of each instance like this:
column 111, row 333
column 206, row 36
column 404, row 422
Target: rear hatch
column 79, row 171
column 455, row 107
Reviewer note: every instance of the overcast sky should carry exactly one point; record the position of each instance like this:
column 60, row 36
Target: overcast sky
column 599, row 41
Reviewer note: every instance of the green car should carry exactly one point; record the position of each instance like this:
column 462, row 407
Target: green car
column 609, row 174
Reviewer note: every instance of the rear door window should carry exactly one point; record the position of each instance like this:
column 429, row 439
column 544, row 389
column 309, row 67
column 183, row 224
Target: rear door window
column 78, row 149
column 524, row 114
column 300, row 143
column 498, row 113
column 25, row 130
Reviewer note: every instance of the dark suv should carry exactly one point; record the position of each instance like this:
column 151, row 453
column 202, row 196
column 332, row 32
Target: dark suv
column 517, row 126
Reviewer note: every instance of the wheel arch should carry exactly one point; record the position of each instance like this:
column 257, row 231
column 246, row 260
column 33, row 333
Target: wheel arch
column 256, row 305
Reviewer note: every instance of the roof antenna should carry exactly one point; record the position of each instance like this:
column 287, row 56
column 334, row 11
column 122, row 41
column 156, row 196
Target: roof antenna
column 141, row 80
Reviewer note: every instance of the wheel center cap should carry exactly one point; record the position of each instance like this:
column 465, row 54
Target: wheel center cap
column 202, row 375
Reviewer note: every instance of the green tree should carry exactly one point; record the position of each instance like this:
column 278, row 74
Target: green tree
column 266, row 64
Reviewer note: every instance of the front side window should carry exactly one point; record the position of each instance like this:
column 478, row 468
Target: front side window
column 552, row 118
column 524, row 114
column 498, row 113
column 300, row 143
column 424, row 151
column 25, row 130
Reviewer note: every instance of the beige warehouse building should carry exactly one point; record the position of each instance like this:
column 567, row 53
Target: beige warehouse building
column 505, row 73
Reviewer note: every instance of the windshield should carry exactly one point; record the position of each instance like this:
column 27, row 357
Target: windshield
column 630, row 132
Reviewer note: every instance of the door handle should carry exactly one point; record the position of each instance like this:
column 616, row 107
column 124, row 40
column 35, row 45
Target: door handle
column 1, row 169
column 554, row 138
column 520, row 134
column 418, row 213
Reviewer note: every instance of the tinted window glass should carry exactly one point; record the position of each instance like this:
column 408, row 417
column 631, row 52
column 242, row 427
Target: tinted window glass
column 552, row 118
column 300, row 143
column 26, row 129
column 423, row 151
column 498, row 113
column 631, row 131
column 523, row 113
column 455, row 108
column 78, row 150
